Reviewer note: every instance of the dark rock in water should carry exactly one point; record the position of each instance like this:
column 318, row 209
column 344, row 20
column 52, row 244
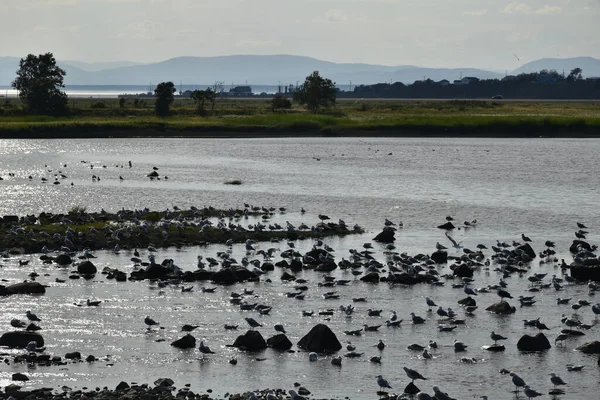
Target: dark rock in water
column 372, row 277
column 286, row 276
column 155, row 271
column 186, row 342
column 320, row 339
column 302, row 391
column 122, row 386
column 20, row 339
column 463, row 270
column 229, row 276
column 202, row 275
column 411, row 388
column 495, row 348
column 386, row 236
column 538, row 342
column 19, row 377
column 250, row 341
column 90, row 358
column 86, row 267
column 439, row 257
column 164, row 382
column 279, row 342
column 326, row 267
column 574, row 248
column 585, row 272
column 152, row 174
column 467, row 301
column 502, row 307
column 590, row 347
column 410, row 279
column 447, row 226
column 296, row 265
column 528, row 250
column 63, row 259
column 73, row 356
column 266, row 267
column 33, row 327
column 26, row 288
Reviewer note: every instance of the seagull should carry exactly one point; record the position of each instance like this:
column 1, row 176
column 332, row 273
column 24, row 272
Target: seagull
column 517, row 380
column 430, row 302
column 94, row 303
column 530, row 393
column 416, row 319
column 188, row 328
column 295, row 396
column 455, row 244
column 525, row 238
column 279, row 328
column 556, row 380
column 439, row 395
column 495, row 337
column 382, row 382
column 423, row 396
column 413, row 375
column 31, row 316
column 150, row 322
column 469, row 291
column 17, row 323
column 205, row 349
column 252, row 322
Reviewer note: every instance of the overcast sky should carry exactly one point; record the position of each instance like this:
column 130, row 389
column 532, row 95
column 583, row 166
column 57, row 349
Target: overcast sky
column 434, row 33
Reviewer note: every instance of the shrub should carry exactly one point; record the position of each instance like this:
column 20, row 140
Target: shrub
column 280, row 102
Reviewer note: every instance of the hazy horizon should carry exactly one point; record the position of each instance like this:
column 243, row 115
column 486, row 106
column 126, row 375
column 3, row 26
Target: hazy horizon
column 490, row 34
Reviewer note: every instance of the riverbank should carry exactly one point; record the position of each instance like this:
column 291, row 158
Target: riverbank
column 254, row 119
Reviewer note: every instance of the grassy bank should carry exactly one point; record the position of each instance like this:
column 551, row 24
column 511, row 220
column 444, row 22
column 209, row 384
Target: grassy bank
column 254, row 118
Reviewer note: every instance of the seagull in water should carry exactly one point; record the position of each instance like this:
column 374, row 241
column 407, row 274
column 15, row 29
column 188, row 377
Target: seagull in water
column 556, row 380
column 252, row 322
column 31, row 316
column 530, row 393
column 150, row 322
column 518, row 381
column 205, row 349
column 414, row 375
column 382, row 382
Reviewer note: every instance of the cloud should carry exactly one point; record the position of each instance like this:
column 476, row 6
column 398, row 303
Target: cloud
column 549, row 10
column 258, row 43
column 475, row 13
column 335, row 16
column 516, row 8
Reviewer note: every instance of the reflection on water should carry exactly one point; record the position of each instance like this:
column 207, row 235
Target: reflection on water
column 537, row 187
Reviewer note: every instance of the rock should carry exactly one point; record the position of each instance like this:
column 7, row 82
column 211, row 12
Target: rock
column 267, row 267
column 590, row 347
column 250, row 341
column 326, row 267
column 372, row 277
column 75, row 355
column 229, row 276
column 20, row 339
column 502, row 307
column 287, row 277
column 585, row 272
column 302, row 391
column 152, row 174
column 574, row 248
column 279, row 342
column 467, row 301
column 463, row 271
column 528, row 250
column 386, row 236
column 90, row 358
column 186, row 342
column 538, row 342
column 439, row 257
column 411, row 388
column 164, row 382
column 86, row 267
column 122, row 386
column 154, row 271
column 19, row 377
column 447, row 226
column 26, row 288
column 296, row 265
column 494, row 348
column 320, row 339
column 63, row 259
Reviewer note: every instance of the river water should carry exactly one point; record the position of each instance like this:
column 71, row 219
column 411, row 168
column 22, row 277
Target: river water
column 539, row 187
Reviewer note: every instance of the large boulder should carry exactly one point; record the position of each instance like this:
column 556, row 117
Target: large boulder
column 26, row 288
column 186, row 342
column 411, row 389
column 528, row 250
column 326, row 267
column 538, row 342
column 502, row 307
column 585, row 272
column 250, row 341
column 590, row 347
column 229, row 276
column 439, row 257
column 86, row 267
column 320, row 339
column 371, row 277
column 386, row 236
column 577, row 244
column 20, row 339
column 463, row 271
column 154, row 271
column 63, row 259
column 279, row 342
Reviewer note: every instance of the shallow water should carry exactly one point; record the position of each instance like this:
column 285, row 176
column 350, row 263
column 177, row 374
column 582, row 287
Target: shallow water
column 538, row 187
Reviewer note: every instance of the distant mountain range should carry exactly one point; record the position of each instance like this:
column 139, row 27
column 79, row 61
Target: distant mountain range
column 273, row 70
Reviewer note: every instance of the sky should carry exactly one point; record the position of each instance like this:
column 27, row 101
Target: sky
column 492, row 34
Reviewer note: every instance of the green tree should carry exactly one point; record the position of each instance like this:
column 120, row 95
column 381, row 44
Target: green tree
column 38, row 82
column 164, row 98
column 576, row 74
column 316, row 92
column 280, row 102
column 203, row 97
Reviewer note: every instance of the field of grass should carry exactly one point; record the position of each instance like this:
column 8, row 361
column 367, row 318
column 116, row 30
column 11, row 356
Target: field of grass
column 254, row 117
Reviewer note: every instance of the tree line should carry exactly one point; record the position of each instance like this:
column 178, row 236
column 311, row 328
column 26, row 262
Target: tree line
column 546, row 84
column 39, row 81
